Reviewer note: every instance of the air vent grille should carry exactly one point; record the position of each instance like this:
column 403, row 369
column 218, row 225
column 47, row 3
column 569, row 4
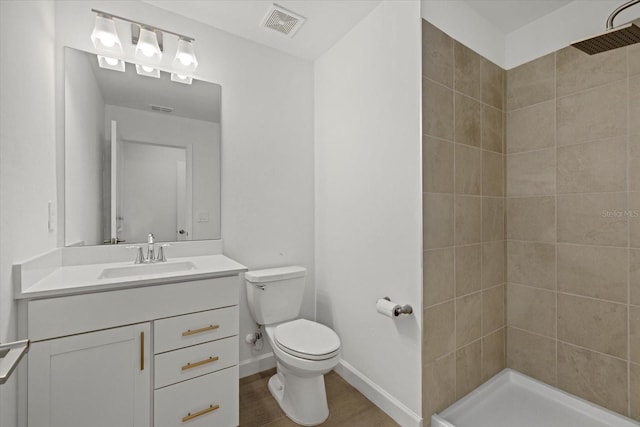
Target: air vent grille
column 161, row 109
column 282, row 20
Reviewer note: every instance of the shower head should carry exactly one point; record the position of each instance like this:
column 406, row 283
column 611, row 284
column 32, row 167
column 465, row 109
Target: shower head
column 613, row 38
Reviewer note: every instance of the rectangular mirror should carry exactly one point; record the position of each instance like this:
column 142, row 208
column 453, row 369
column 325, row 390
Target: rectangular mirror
column 142, row 155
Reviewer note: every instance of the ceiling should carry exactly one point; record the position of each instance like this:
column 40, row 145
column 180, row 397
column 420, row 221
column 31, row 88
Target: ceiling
column 509, row 15
column 327, row 21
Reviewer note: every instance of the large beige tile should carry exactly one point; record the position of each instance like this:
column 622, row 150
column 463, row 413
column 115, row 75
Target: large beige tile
column 634, row 173
column 531, row 263
column 439, row 331
column 635, row 391
column 581, row 321
column 493, row 264
column 437, row 54
column 438, row 274
column 532, row 309
column 594, row 167
column 593, row 271
column 467, row 220
column 592, row 219
column 437, row 165
column 493, row 309
column 492, row 129
column 634, row 333
column 531, row 218
column 634, row 276
column 493, row 354
column 531, row 83
column 532, row 173
column 634, row 104
column 577, row 71
column 468, row 269
column 592, row 115
column 468, row 368
column 492, row 219
column 634, row 219
column 467, row 71
column 468, row 169
column 532, row 355
column 492, row 174
column 532, row 128
column 467, row 121
column 468, row 319
column 439, row 385
column 437, row 110
column 595, row 377
column 634, row 59
column 492, row 84
column 437, row 215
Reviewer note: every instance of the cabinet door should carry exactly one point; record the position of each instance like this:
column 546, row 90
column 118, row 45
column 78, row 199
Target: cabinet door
column 97, row 379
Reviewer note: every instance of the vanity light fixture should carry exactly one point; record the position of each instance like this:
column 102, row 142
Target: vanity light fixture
column 104, row 35
column 148, row 42
column 146, row 70
column 111, row 63
column 180, row 78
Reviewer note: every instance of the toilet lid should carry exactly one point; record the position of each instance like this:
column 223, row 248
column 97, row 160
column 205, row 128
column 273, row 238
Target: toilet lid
column 306, row 339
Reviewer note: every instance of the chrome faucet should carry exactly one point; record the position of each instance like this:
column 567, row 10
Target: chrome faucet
column 152, row 256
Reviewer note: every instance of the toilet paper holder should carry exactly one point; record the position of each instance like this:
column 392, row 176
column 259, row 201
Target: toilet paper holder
column 404, row 309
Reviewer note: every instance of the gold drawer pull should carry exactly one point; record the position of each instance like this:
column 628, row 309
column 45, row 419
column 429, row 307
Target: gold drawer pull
column 197, row 331
column 191, row 416
column 200, row 363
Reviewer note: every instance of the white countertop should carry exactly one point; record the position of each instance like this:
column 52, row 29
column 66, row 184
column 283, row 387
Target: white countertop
column 81, row 279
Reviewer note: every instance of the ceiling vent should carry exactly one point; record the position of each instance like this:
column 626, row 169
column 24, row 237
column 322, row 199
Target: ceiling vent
column 282, row 20
column 161, row 108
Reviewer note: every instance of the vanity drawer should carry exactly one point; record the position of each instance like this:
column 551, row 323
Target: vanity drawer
column 186, row 363
column 209, row 400
column 194, row 328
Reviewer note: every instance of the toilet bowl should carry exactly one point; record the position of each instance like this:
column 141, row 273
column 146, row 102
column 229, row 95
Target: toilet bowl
column 304, row 350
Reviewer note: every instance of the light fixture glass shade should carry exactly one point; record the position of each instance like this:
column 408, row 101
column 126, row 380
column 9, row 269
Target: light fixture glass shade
column 146, row 70
column 185, row 56
column 179, row 78
column 111, row 63
column 104, row 35
column 147, row 48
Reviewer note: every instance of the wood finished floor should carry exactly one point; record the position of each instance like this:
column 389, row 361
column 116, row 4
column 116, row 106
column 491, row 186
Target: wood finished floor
column 347, row 406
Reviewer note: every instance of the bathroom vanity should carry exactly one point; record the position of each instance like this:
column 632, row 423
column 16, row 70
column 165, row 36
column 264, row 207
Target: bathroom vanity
column 144, row 348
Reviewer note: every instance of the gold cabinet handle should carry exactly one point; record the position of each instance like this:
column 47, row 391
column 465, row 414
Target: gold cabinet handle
column 200, row 363
column 142, row 351
column 191, row 416
column 198, row 331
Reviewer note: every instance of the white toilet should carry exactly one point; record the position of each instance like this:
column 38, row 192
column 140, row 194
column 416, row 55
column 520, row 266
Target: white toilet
column 304, row 350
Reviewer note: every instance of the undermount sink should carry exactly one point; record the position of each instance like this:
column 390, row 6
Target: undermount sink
column 143, row 269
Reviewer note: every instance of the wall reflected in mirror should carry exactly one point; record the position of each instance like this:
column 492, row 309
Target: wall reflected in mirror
column 142, row 155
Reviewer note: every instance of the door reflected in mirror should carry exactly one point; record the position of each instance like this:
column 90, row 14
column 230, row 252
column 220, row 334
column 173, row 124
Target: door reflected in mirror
column 142, row 155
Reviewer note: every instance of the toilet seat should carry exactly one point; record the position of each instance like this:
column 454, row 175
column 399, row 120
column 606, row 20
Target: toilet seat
column 307, row 340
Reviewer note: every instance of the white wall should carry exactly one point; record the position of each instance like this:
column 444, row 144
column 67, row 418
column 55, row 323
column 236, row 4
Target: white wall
column 267, row 137
column 368, row 195
column 84, row 155
column 577, row 20
column 204, row 138
column 27, row 154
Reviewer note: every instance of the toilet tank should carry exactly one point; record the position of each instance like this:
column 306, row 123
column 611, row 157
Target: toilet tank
column 275, row 294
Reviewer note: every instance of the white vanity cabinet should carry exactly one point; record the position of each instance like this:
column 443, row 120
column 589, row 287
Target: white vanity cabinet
column 162, row 355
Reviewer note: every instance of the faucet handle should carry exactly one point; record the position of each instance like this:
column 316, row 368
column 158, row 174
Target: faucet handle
column 139, row 253
column 151, row 239
column 161, row 257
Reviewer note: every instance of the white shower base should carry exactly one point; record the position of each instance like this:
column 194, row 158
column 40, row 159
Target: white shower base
column 511, row 399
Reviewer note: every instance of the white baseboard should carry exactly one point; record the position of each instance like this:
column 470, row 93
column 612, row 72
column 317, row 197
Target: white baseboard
column 257, row 364
column 383, row 400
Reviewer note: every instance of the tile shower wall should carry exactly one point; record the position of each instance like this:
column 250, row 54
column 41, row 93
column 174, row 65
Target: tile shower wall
column 463, row 214
column 573, row 224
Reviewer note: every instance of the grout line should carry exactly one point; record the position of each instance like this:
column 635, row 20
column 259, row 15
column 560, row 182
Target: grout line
column 555, row 144
column 455, row 278
column 628, row 176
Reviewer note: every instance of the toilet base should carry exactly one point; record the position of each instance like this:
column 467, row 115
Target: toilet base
column 303, row 399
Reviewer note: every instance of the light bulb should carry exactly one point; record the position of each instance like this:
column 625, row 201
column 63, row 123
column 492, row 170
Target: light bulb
column 104, row 35
column 186, row 60
column 182, row 77
column 147, row 68
column 107, row 39
column 147, row 46
column 111, row 61
column 185, row 56
column 147, row 50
